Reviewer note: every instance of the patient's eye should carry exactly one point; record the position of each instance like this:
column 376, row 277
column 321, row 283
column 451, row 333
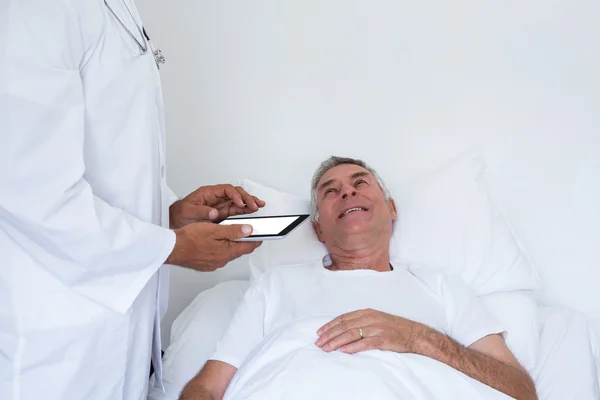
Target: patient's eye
column 360, row 181
column 330, row 190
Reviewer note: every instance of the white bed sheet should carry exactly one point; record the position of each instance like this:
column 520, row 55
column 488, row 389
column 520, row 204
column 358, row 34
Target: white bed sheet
column 567, row 365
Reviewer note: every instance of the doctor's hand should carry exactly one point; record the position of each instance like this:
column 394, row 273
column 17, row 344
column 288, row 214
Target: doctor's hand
column 212, row 203
column 206, row 246
column 369, row 330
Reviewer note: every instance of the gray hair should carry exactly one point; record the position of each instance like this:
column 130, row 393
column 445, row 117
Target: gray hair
column 334, row 161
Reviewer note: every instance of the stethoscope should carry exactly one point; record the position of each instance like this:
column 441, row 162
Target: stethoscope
column 159, row 58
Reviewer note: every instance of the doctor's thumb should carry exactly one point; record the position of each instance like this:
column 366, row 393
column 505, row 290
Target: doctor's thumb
column 205, row 213
column 233, row 232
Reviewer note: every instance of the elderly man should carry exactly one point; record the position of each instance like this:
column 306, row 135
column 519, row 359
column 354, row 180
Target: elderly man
column 364, row 326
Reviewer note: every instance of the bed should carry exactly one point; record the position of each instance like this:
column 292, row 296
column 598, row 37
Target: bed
column 449, row 220
column 566, row 365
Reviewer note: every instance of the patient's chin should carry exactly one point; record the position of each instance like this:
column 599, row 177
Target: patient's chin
column 357, row 226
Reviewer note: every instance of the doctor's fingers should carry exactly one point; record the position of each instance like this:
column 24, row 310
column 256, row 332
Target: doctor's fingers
column 230, row 232
column 242, row 199
column 219, row 253
column 234, row 210
column 238, row 249
column 198, row 213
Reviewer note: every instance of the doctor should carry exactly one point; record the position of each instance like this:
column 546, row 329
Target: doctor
column 84, row 208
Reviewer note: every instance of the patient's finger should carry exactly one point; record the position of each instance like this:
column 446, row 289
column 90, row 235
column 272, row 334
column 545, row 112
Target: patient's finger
column 345, row 338
column 336, row 330
column 340, row 319
column 370, row 343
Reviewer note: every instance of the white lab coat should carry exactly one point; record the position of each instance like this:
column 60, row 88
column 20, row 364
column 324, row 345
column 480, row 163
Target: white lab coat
column 82, row 200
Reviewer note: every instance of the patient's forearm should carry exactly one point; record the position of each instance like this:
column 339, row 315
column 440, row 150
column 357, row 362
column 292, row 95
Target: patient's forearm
column 505, row 378
column 210, row 383
column 196, row 392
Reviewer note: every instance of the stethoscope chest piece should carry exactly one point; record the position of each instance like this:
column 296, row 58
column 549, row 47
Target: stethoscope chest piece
column 159, row 57
column 143, row 45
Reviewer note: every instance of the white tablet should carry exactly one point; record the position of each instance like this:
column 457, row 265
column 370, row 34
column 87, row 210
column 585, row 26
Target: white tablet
column 268, row 228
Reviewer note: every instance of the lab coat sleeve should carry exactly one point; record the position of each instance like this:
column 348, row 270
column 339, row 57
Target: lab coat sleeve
column 46, row 203
column 171, row 197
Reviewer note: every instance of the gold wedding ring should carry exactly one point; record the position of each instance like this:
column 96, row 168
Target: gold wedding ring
column 361, row 333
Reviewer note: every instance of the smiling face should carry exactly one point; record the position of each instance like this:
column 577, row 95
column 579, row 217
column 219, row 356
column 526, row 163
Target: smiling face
column 353, row 209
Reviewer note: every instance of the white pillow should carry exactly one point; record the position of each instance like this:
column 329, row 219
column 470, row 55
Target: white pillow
column 195, row 334
column 446, row 219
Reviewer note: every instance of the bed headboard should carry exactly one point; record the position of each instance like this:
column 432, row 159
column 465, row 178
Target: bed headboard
column 266, row 90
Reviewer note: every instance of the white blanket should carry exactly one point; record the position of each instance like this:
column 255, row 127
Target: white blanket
column 289, row 366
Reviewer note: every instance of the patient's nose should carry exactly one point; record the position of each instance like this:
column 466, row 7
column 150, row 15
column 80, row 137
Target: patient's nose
column 350, row 192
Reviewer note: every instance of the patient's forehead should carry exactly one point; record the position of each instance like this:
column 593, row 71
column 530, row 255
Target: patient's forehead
column 341, row 172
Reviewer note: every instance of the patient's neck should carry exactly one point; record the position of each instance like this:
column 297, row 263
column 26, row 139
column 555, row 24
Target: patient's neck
column 375, row 257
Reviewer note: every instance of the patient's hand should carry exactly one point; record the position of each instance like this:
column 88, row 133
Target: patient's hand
column 380, row 331
column 488, row 360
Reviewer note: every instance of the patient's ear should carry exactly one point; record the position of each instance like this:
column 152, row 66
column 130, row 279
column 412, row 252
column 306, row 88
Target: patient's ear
column 393, row 211
column 317, row 229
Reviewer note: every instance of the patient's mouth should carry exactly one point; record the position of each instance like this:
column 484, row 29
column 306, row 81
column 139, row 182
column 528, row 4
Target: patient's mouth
column 351, row 210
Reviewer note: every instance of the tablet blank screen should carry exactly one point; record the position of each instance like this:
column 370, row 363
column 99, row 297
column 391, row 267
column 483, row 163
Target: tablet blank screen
column 263, row 226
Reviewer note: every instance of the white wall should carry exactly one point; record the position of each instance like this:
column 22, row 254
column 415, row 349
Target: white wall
column 267, row 89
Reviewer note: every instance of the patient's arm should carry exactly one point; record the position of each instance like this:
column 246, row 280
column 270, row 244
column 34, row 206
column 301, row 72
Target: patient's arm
column 244, row 333
column 210, row 383
column 488, row 360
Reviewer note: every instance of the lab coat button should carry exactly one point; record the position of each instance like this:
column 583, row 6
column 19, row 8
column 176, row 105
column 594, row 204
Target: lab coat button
column 162, row 171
